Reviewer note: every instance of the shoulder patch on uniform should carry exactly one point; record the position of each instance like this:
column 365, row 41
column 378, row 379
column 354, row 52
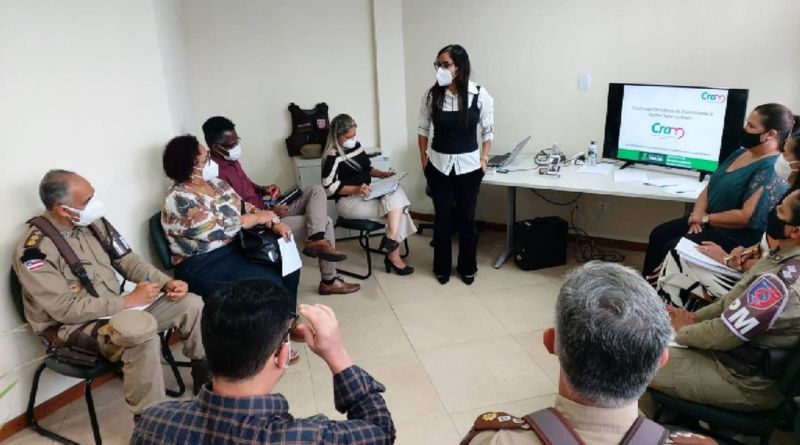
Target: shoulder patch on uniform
column 498, row 421
column 790, row 271
column 32, row 258
column 34, row 239
column 757, row 308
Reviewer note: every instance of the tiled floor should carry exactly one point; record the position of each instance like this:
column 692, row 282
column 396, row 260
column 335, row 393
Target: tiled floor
column 445, row 353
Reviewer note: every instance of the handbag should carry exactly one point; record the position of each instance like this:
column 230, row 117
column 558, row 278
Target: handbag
column 259, row 244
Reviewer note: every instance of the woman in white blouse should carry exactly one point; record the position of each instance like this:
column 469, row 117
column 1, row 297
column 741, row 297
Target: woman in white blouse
column 455, row 163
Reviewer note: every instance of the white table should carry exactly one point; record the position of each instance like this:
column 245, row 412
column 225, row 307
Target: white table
column 572, row 181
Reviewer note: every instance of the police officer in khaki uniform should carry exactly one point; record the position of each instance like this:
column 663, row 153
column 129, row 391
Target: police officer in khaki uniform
column 611, row 336
column 737, row 346
column 58, row 303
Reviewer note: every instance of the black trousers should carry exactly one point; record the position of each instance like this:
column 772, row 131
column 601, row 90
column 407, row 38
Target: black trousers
column 667, row 235
column 455, row 199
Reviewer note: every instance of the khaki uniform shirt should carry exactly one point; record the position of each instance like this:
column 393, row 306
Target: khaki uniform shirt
column 710, row 332
column 53, row 295
column 594, row 425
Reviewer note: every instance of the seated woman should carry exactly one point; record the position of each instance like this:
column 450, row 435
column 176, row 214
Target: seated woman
column 683, row 283
column 201, row 216
column 346, row 175
column 732, row 209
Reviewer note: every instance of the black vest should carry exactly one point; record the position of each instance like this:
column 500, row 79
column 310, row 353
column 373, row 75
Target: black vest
column 308, row 127
column 450, row 136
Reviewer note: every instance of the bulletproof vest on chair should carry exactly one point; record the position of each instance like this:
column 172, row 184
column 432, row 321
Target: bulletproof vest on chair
column 309, row 130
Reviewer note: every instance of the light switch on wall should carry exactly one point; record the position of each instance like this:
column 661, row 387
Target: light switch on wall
column 584, row 82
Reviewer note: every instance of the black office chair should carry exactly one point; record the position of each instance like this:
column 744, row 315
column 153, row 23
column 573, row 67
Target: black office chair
column 365, row 228
column 161, row 246
column 87, row 374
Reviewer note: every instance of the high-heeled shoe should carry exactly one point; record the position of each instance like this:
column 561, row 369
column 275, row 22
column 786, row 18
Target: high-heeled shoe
column 443, row 279
column 388, row 245
column 467, row 279
column 408, row 270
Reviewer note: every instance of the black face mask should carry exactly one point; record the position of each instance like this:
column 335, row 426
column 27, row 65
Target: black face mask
column 749, row 140
column 776, row 227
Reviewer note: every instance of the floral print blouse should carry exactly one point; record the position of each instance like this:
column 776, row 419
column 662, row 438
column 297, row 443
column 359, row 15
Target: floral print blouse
column 197, row 223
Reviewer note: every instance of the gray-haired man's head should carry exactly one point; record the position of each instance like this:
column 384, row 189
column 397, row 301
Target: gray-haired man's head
column 55, row 188
column 611, row 333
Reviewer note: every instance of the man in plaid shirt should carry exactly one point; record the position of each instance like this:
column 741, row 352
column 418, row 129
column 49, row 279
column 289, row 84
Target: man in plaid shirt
column 245, row 331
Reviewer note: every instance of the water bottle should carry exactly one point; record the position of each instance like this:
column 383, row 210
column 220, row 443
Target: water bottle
column 591, row 154
column 555, row 151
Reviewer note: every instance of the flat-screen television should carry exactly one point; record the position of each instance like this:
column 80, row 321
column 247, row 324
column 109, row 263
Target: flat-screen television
column 692, row 128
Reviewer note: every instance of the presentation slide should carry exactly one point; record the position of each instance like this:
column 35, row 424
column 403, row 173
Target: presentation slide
column 674, row 127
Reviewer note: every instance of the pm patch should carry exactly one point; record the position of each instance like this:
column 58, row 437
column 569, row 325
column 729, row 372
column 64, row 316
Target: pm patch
column 757, row 308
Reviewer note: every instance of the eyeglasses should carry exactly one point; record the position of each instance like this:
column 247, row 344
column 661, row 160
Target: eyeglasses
column 446, row 65
column 229, row 146
column 293, row 317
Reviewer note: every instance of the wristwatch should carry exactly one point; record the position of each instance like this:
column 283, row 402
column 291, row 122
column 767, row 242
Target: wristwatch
column 706, row 218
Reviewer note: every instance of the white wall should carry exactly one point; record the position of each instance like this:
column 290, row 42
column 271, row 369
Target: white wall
column 249, row 59
column 83, row 88
column 528, row 54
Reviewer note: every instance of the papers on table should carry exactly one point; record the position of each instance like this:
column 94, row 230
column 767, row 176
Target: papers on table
column 597, row 169
column 630, row 175
column 384, row 186
column 290, row 257
column 693, row 189
column 678, row 185
column 687, row 249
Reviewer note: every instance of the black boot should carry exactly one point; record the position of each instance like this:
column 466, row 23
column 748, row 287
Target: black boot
column 200, row 375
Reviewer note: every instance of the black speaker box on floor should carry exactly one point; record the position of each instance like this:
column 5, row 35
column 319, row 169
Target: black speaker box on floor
column 540, row 243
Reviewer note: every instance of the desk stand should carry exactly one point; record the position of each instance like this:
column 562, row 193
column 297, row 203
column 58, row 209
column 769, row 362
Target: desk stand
column 511, row 219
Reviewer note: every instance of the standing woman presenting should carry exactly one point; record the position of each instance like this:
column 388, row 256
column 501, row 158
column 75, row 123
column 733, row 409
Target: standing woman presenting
column 455, row 163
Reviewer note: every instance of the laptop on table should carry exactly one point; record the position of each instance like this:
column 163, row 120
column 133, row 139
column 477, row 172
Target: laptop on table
column 499, row 161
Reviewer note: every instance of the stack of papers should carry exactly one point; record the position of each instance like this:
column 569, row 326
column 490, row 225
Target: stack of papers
column 630, row 175
column 687, row 249
column 597, row 169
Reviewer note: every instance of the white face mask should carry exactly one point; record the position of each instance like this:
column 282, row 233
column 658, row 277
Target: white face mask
column 443, row 77
column 94, row 210
column 350, row 143
column 783, row 168
column 234, row 153
column 210, row 170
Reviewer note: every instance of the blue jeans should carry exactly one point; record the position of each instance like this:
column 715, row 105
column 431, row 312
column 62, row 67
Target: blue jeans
column 210, row 271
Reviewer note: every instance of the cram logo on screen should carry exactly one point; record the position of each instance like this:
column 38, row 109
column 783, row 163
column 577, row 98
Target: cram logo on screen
column 712, row 97
column 666, row 132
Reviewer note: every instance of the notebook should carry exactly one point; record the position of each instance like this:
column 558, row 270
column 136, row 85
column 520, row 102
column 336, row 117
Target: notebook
column 384, row 186
column 687, row 249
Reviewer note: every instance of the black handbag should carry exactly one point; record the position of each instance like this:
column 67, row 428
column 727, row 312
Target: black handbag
column 259, row 244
